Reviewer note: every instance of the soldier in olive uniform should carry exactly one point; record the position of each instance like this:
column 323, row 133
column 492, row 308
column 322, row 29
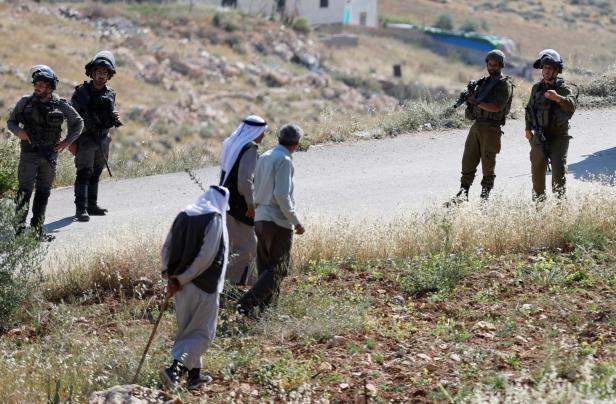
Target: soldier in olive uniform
column 37, row 121
column 488, row 107
column 549, row 109
column 95, row 102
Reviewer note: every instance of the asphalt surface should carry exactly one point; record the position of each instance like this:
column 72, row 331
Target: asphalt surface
column 358, row 178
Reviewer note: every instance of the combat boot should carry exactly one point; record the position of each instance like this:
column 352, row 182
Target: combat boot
column 196, row 380
column 461, row 197
column 93, row 208
column 485, row 194
column 172, row 376
column 81, row 198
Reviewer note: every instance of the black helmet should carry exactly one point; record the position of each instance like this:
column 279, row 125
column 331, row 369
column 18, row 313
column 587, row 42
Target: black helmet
column 103, row 59
column 551, row 58
column 44, row 73
column 497, row 56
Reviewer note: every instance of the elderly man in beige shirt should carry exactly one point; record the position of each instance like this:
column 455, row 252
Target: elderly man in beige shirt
column 275, row 219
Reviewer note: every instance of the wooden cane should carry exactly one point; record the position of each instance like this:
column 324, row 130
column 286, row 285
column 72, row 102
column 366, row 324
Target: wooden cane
column 147, row 347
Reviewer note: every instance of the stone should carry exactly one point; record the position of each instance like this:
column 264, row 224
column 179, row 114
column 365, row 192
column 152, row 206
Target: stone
column 132, row 394
column 337, row 340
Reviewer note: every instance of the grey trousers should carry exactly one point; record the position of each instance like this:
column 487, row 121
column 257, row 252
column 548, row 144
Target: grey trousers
column 35, row 170
column 196, row 313
column 243, row 241
column 92, row 156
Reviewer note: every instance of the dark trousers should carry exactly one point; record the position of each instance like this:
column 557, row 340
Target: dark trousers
column 273, row 255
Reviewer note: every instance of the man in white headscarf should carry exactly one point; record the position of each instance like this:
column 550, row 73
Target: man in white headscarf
column 194, row 258
column 238, row 162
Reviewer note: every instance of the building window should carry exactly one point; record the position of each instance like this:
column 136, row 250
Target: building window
column 324, row 3
column 363, row 18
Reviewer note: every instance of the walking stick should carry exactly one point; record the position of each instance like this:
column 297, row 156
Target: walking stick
column 147, row 347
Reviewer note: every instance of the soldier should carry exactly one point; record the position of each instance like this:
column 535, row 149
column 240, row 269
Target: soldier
column 488, row 107
column 95, row 102
column 37, row 121
column 549, row 109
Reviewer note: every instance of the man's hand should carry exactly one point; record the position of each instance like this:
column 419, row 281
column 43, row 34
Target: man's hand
column 471, row 100
column 173, row 286
column 299, row 230
column 116, row 114
column 61, row 146
column 23, row 135
column 552, row 95
column 529, row 135
column 250, row 212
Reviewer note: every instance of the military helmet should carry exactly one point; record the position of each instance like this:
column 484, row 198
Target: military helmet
column 497, row 56
column 44, row 73
column 549, row 57
column 103, row 59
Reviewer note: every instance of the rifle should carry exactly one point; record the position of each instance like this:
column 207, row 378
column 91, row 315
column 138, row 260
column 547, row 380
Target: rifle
column 540, row 134
column 471, row 87
column 99, row 140
column 46, row 152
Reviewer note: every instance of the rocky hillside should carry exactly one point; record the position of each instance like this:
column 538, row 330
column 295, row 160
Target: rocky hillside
column 182, row 77
column 569, row 26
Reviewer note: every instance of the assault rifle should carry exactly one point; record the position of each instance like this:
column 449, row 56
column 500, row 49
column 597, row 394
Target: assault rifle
column 46, row 152
column 540, row 134
column 471, row 87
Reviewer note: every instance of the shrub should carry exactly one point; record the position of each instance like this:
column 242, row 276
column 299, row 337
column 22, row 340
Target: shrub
column 302, row 26
column 9, row 161
column 469, row 26
column 423, row 114
column 444, row 21
column 20, row 265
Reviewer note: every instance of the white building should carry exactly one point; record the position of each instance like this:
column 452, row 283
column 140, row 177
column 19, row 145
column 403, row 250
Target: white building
column 317, row 12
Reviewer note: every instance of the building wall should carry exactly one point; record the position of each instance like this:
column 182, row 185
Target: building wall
column 314, row 13
column 355, row 8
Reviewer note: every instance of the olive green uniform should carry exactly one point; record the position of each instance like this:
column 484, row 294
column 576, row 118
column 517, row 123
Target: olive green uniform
column 483, row 142
column 554, row 118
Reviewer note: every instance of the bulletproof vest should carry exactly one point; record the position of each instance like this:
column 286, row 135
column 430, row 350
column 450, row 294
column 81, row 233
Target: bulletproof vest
column 492, row 118
column 96, row 108
column 548, row 113
column 186, row 242
column 237, row 203
column 43, row 123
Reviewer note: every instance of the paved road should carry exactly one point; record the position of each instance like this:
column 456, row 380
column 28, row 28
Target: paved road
column 385, row 176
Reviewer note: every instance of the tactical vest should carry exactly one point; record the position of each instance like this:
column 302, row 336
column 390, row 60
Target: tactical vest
column 42, row 122
column 96, row 108
column 186, row 242
column 490, row 118
column 549, row 114
column 237, row 203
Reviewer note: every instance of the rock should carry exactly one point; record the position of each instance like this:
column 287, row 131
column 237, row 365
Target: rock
column 132, row 394
column 273, row 79
column 484, row 325
column 283, row 51
column 245, row 388
column 306, row 59
column 325, row 367
column 337, row 340
column 521, row 339
column 399, row 300
column 371, row 388
column 527, row 307
column 344, row 386
column 424, row 357
column 455, row 357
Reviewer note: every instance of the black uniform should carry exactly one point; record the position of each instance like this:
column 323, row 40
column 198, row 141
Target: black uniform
column 96, row 107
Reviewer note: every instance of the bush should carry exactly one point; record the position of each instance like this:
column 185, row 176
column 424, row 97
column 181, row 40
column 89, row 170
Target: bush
column 20, row 265
column 469, row 26
column 444, row 21
column 9, row 161
column 423, row 114
column 302, row 26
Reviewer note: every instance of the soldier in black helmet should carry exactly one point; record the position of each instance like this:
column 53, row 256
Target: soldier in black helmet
column 488, row 107
column 37, row 121
column 549, row 109
column 95, row 102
